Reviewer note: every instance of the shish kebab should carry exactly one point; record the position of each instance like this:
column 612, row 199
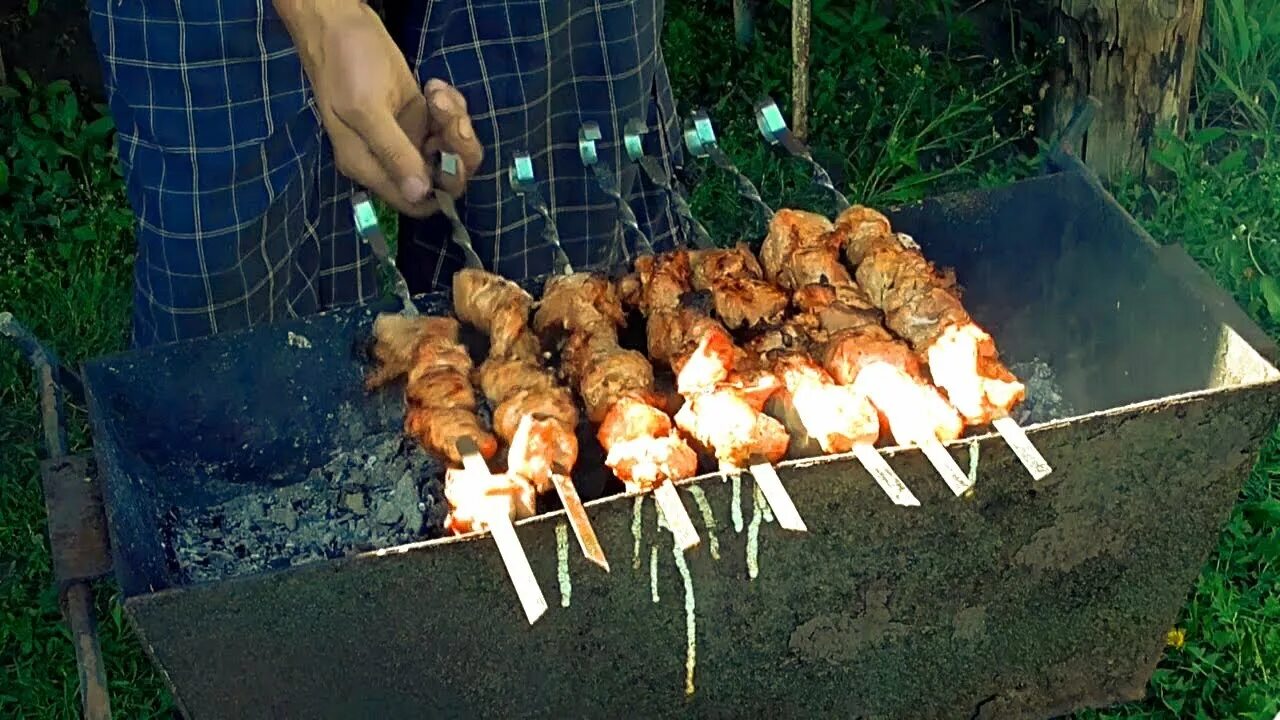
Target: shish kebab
column 724, row 395
column 923, row 307
column 853, row 347
column 532, row 412
column 441, row 414
column 971, row 364
column 816, row 410
column 581, row 314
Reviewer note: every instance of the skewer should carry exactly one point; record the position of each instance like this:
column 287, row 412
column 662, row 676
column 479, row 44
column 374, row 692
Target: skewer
column 700, row 138
column 449, row 163
column 504, row 534
column 1022, row 446
column 523, row 182
column 773, row 126
column 634, row 141
column 370, row 231
column 775, row 493
column 955, row 478
column 885, row 477
column 588, row 134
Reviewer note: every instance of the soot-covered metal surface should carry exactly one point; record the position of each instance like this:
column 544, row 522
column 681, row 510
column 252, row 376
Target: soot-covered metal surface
column 1024, row 600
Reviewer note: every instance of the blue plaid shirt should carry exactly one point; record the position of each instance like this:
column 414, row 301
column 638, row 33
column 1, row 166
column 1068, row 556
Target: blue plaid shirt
column 242, row 216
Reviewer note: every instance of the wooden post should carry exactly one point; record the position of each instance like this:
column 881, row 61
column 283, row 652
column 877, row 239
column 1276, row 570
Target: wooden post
column 801, row 26
column 1137, row 57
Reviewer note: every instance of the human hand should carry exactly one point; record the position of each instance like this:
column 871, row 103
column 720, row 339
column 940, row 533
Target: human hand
column 375, row 114
column 449, row 130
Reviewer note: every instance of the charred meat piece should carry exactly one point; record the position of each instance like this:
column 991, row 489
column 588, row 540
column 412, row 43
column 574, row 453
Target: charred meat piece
column 740, row 296
column 500, row 309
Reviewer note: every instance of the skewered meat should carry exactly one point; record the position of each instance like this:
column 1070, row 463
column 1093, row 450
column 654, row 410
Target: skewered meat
column 791, row 231
column 740, row 296
column 722, row 409
column 440, row 403
column 836, row 417
column 473, row 500
column 923, row 306
column 856, row 350
column 536, row 417
column 616, row 385
column 440, row 414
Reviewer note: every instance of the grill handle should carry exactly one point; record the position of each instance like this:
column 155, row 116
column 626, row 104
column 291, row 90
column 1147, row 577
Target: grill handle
column 76, row 595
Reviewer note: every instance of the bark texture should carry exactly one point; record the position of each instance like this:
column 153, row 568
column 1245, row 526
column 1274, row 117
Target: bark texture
column 801, row 28
column 1135, row 56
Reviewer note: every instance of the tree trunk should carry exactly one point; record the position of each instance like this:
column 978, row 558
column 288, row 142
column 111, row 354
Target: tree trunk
column 801, row 21
column 1137, row 57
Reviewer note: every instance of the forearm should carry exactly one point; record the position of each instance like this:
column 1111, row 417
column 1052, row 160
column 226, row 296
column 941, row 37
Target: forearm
column 305, row 18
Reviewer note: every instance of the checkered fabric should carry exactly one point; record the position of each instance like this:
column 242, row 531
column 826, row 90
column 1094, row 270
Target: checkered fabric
column 242, row 217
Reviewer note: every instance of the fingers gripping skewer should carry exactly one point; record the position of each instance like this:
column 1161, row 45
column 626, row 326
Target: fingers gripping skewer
column 523, row 182
column 509, row 547
column 450, row 164
column 700, row 139
column 775, row 131
column 634, row 140
column 588, row 135
column 367, row 227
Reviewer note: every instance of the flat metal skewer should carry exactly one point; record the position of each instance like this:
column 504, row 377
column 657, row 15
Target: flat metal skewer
column 524, row 183
column 504, row 534
column 577, row 514
column 775, row 493
column 884, row 475
column 955, row 478
column 449, row 165
column 700, row 139
column 367, row 227
column 588, row 135
column 1022, row 447
column 658, row 175
column 773, row 126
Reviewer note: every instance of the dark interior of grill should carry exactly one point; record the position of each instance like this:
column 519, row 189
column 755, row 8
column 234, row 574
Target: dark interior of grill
column 1056, row 272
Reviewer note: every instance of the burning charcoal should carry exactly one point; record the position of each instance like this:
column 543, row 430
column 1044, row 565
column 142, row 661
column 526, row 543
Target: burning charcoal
column 405, row 495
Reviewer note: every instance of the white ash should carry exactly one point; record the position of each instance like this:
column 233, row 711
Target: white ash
column 1044, row 401
column 385, row 492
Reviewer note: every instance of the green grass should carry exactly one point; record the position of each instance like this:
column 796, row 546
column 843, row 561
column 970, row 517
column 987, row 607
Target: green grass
column 894, row 118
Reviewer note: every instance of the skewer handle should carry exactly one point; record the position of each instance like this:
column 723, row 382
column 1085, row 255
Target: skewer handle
column 523, row 182
column 658, row 175
column 450, row 164
column 588, row 135
column 700, row 139
column 884, row 476
column 367, row 227
column 952, row 475
column 776, row 494
column 773, row 126
column 682, row 528
column 1022, row 446
column 528, row 591
column 579, row 521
